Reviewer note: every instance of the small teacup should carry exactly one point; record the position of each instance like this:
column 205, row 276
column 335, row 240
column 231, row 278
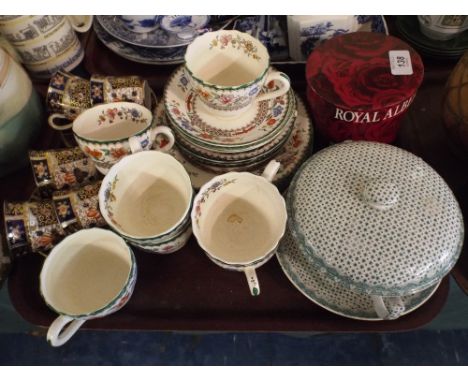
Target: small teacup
column 108, row 89
column 78, row 208
column 67, row 96
column 238, row 219
column 62, row 168
column 109, row 132
column 31, row 226
column 443, row 27
column 90, row 274
column 228, row 69
column 140, row 24
column 147, row 198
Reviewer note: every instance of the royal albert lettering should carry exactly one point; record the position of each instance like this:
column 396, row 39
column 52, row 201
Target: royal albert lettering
column 372, row 116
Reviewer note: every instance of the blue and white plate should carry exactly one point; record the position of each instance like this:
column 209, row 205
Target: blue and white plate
column 157, row 38
column 183, row 26
column 155, row 56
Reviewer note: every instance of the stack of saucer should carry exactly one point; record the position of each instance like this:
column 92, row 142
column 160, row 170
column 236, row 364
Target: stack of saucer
column 220, row 144
column 372, row 230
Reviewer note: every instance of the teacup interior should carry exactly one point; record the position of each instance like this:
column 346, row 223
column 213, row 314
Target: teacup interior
column 86, row 272
column 227, row 58
column 110, row 122
column 152, row 195
column 243, row 222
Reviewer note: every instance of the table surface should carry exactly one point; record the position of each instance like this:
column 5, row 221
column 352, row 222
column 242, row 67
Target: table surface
column 186, row 291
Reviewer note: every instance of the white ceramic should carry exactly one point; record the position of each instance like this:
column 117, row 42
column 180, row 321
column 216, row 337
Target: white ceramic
column 108, row 132
column 46, row 44
column 147, row 198
column 323, row 291
column 377, row 220
column 140, row 23
column 238, row 219
column 90, row 274
column 228, row 69
column 443, row 27
column 249, row 130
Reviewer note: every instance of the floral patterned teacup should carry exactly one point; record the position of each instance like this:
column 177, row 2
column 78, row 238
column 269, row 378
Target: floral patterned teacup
column 147, row 198
column 90, row 274
column 238, row 219
column 228, row 70
column 108, row 132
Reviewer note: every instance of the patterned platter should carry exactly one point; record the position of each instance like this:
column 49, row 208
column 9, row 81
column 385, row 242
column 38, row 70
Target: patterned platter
column 155, row 56
column 330, row 295
column 157, row 38
column 253, row 128
column 295, row 151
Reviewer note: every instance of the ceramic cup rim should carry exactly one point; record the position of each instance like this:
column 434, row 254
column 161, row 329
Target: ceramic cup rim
column 208, row 35
column 198, row 234
column 58, row 248
column 115, row 169
column 85, row 113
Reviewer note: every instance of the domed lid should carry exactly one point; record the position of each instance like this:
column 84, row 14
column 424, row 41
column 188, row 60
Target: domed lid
column 364, row 71
column 375, row 218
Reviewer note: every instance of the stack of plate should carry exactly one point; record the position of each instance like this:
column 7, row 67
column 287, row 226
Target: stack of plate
column 369, row 224
column 157, row 47
column 408, row 26
column 221, row 144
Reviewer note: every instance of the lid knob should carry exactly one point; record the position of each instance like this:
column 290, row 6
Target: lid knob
column 380, row 194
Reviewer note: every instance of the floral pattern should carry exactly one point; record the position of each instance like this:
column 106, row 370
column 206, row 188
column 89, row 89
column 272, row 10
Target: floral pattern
column 111, row 114
column 236, row 42
column 210, row 190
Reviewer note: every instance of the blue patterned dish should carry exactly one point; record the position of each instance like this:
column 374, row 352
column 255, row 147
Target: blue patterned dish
column 183, row 26
column 157, row 38
column 155, row 56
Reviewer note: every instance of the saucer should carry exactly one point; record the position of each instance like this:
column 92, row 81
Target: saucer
column 251, row 129
column 291, row 156
column 155, row 56
column 330, row 295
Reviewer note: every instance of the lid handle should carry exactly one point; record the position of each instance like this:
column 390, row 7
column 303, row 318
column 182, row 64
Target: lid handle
column 380, row 194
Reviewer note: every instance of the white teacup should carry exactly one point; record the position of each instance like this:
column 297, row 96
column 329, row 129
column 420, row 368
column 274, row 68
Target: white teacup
column 228, row 69
column 238, row 219
column 90, row 274
column 443, row 27
column 140, row 23
column 108, row 132
column 147, row 198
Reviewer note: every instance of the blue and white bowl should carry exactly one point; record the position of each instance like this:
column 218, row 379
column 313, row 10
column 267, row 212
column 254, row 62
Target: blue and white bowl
column 184, row 26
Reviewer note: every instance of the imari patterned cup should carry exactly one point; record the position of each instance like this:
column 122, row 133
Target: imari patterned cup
column 229, row 69
column 109, row 132
column 238, row 219
column 90, row 274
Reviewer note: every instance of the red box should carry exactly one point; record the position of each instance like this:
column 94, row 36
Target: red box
column 357, row 91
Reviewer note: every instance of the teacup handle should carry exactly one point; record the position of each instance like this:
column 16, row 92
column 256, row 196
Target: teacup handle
column 252, row 280
column 271, row 170
column 57, row 335
column 52, row 124
column 395, row 309
column 285, row 85
column 166, row 131
column 81, row 23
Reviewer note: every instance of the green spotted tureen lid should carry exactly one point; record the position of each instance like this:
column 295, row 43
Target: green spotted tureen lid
column 375, row 218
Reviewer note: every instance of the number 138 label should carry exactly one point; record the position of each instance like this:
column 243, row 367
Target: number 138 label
column 400, row 62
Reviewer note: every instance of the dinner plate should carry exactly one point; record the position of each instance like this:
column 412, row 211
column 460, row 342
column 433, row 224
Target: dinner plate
column 330, row 295
column 291, row 156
